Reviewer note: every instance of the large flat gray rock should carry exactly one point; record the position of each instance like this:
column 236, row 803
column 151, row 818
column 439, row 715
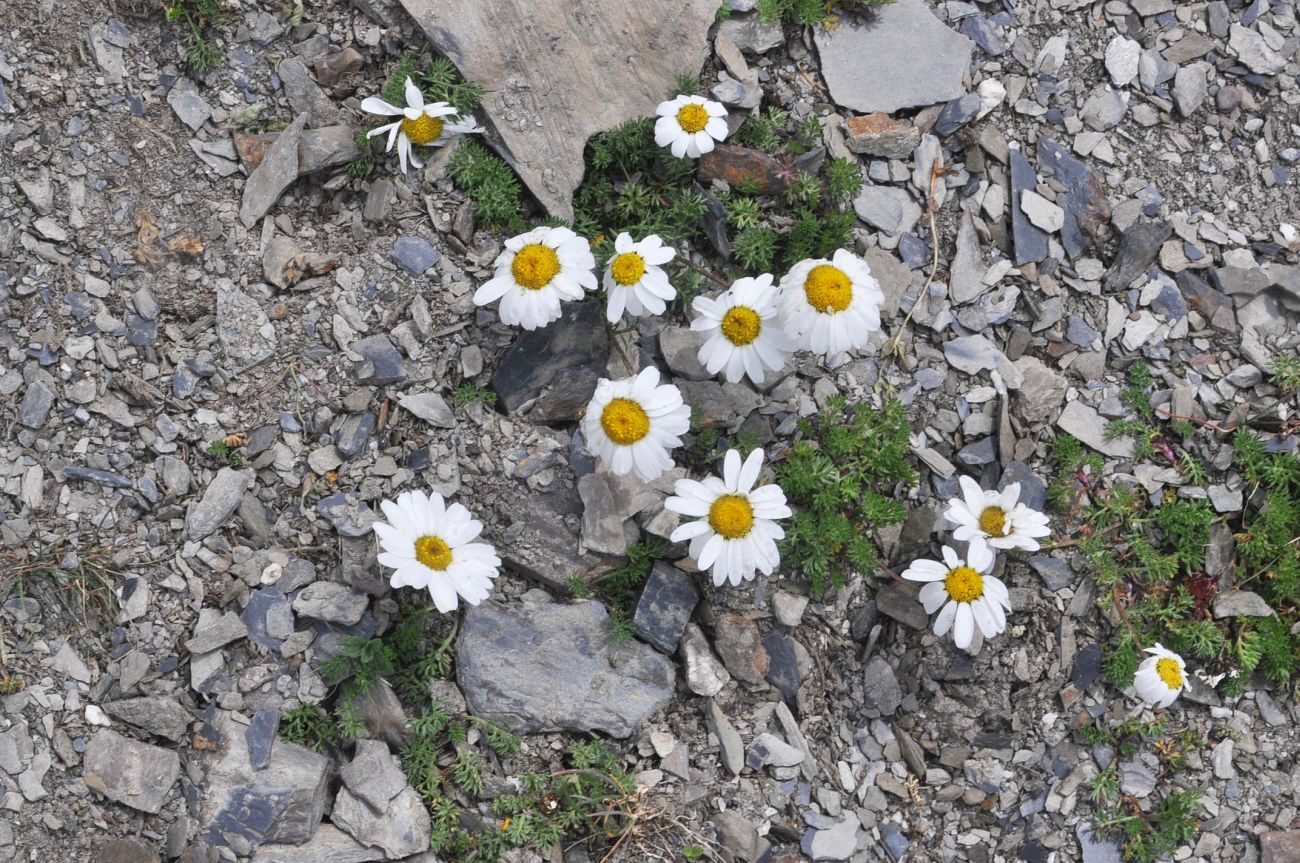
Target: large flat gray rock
column 537, row 667
column 132, row 773
column 557, row 72
column 899, row 56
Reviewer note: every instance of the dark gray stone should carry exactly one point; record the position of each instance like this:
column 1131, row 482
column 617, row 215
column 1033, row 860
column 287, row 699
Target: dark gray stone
column 1087, row 208
column 895, row 842
column 984, row 33
column 106, row 478
column 1055, row 573
column 36, row 404
column 665, row 607
column 883, row 694
column 415, row 255
column 381, row 363
column 783, row 666
column 1096, row 849
column 900, row 603
column 1087, row 665
column 1030, row 240
column 1033, row 491
column 260, row 735
column 981, row 452
column 957, row 113
column 268, row 611
column 550, row 667
column 577, row 339
column 353, row 432
column 1138, row 247
column 350, row 515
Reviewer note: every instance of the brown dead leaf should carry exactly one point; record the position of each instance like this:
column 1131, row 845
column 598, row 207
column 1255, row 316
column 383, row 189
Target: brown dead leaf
column 146, row 240
column 181, row 244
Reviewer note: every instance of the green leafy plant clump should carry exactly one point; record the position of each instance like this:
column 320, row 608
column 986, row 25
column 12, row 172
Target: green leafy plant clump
column 490, row 184
column 841, row 478
column 810, row 12
column 197, row 17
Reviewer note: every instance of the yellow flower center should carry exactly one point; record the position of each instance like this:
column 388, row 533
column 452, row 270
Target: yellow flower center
column 627, row 268
column 534, row 266
column 624, row 421
column 423, row 129
column 828, row 289
column 964, row 584
column 1169, row 672
column 741, row 325
column 433, row 552
column 692, row 118
column 993, row 521
column 731, row 516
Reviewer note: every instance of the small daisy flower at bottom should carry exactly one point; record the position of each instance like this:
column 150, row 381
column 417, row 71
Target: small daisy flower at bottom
column 736, row 533
column 745, row 336
column 963, row 593
column 1160, row 678
column 431, row 545
column 632, row 423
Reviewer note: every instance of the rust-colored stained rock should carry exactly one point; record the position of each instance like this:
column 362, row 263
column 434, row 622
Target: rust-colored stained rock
column 879, row 134
column 317, row 148
column 746, row 170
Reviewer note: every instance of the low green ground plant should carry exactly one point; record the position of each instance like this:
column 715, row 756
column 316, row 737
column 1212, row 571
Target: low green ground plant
column 196, row 19
column 841, row 477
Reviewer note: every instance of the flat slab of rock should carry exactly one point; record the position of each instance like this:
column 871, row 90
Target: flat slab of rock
column 1087, row 425
column 129, row 772
column 899, row 56
column 562, row 71
column 278, row 170
column 220, row 500
column 537, row 667
column 283, row 802
column 329, row 845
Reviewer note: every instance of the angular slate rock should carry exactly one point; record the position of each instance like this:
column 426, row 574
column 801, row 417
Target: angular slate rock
column 577, row 339
column 1087, row 209
column 1030, row 240
column 278, row 170
column 783, row 667
column 665, row 606
column 260, row 735
column 220, row 500
column 537, row 667
column 1138, row 247
column 563, row 71
column 156, row 715
column 129, row 772
column 283, row 802
column 329, row 845
column 381, row 363
column 901, row 56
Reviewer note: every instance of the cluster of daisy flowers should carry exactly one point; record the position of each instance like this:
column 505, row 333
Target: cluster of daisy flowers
column 824, row 306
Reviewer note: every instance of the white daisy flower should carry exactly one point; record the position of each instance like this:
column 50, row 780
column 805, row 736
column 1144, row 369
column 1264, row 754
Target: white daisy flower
column 831, row 306
column 429, row 544
column 969, row 596
column 632, row 423
column 688, row 125
column 422, row 124
column 634, row 277
column 745, row 332
column 995, row 518
column 1160, row 678
column 535, row 273
column 736, row 533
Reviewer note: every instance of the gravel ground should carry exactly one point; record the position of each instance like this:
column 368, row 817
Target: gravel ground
column 152, row 304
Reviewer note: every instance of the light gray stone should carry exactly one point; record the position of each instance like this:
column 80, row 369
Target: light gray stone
column 220, row 500
column 541, row 666
column 1252, row 49
column 329, row 845
column 1240, row 603
column 400, row 828
column 277, row 171
column 1087, row 425
column 583, row 67
column 902, row 57
column 430, row 407
column 331, row 602
column 887, row 208
column 129, row 772
column 966, row 275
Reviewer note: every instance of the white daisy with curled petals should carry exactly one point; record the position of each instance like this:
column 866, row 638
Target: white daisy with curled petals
column 736, row 531
column 963, row 593
column 430, row 545
column 634, row 278
column 1160, row 678
column 689, row 125
column 536, row 272
column 831, row 306
column 420, row 124
column 745, row 336
column 995, row 517
column 632, row 423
